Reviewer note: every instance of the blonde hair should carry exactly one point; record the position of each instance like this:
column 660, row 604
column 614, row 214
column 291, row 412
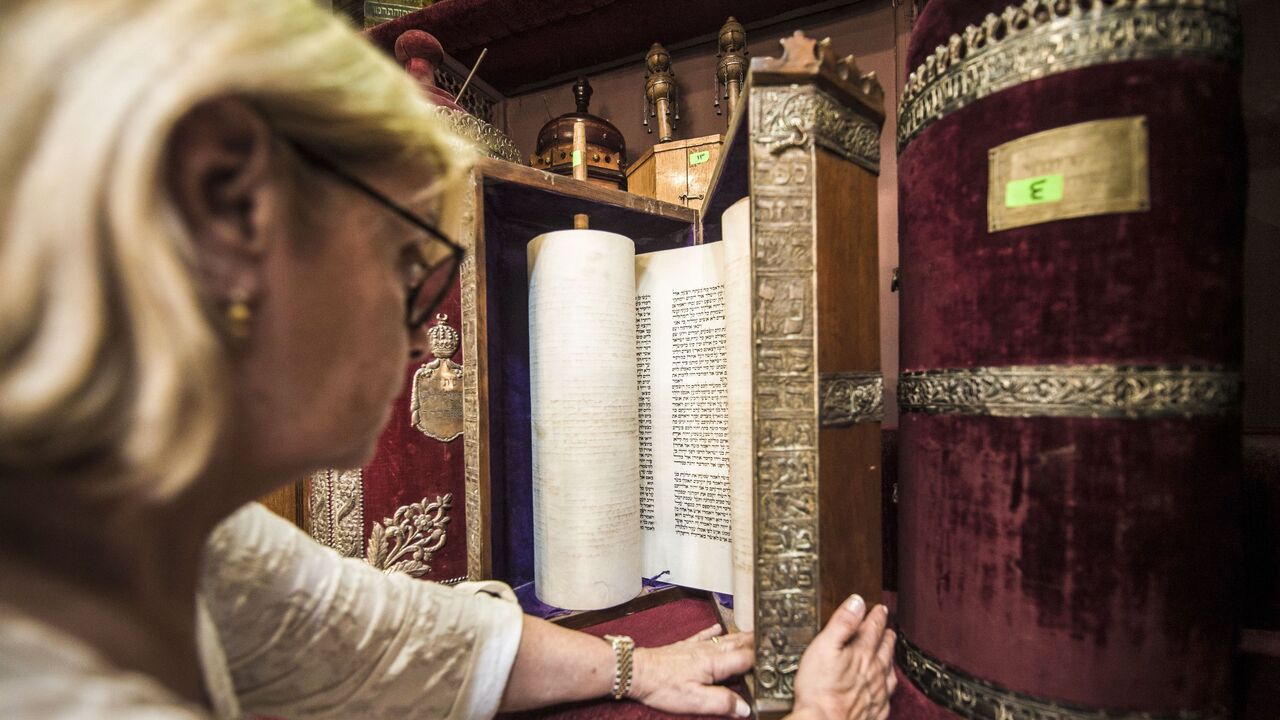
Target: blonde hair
column 110, row 368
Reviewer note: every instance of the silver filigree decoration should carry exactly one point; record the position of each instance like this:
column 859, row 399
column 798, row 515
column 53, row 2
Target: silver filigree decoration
column 849, row 398
column 1039, row 38
column 794, row 117
column 336, row 501
column 489, row 139
column 407, row 541
column 976, row 699
column 1110, row 391
column 473, row 501
column 785, row 386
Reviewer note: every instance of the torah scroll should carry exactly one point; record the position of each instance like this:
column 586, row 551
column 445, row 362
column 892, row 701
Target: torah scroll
column 584, row 405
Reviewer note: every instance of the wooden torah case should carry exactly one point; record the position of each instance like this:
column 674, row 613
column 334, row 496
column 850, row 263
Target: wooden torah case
column 804, row 148
column 676, row 172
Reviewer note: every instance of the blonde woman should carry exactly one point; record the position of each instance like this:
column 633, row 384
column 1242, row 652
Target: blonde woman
column 199, row 201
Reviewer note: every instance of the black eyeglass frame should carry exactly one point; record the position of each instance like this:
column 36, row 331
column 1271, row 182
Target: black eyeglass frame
column 456, row 251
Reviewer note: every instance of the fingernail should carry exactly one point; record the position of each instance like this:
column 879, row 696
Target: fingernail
column 855, row 603
column 741, row 709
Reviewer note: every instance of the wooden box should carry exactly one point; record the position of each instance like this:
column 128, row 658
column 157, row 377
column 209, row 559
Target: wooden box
column 677, row 172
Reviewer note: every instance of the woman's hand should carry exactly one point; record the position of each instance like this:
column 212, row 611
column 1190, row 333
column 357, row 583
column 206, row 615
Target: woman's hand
column 847, row 672
column 682, row 677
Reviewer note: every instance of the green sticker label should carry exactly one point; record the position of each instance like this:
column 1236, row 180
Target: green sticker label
column 1033, row 191
column 699, row 157
column 577, row 158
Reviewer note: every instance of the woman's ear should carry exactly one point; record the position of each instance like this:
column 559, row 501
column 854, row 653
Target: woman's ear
column 222, row 177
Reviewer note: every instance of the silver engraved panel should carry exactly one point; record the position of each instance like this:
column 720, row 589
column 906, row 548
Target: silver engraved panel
column 1116, row 391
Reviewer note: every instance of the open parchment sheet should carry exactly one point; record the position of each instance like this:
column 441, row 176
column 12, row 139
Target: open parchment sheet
column 585, row 416
column 736, row 233
column 681, row 339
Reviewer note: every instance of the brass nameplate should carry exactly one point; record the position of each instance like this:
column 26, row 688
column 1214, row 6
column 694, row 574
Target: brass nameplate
column 1091, row 168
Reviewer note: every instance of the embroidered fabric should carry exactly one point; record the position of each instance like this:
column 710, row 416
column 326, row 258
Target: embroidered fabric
column 287, row 627
column 308, row 633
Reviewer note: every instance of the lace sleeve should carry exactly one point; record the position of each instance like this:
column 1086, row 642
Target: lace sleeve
column 309, row 634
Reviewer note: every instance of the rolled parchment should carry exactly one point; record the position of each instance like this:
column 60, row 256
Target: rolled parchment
column 584, row 405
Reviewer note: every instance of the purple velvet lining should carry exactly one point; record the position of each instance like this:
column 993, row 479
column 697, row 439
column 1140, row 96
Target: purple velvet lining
column 531, row 605
column 514, row 215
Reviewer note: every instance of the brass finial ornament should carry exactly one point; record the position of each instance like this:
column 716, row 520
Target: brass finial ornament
column 435, row 405
column 442, row 339
column 731, row 71
column 661, row 95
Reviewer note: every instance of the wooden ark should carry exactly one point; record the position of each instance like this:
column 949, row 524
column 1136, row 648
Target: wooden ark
column 804, row 145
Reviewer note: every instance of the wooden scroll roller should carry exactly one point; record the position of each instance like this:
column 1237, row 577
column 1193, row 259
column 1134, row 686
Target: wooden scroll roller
column 580, row 220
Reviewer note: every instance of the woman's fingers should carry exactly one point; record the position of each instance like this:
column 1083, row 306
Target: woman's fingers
column 885, row 653
column 715, row 700
column 732, row 660
column 708, row 633
column 845, row 621
column 737, row 640
column 871, row 632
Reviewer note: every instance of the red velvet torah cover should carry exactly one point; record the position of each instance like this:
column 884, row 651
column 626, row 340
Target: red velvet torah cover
column 409, row 467
column 1085, row 561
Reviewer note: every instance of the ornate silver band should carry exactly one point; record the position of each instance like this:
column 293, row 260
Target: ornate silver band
column 794, row 117
column 337, row 510
column 489, row 139
column 1039, row 38
column 849, row 398
column 1100, row 391
column 970, row 697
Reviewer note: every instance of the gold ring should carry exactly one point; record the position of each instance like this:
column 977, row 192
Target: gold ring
column 716, row 639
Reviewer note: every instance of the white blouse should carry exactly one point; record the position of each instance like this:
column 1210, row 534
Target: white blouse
column 288, row 627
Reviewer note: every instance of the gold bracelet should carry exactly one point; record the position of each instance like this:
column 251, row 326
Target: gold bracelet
column 623, row 648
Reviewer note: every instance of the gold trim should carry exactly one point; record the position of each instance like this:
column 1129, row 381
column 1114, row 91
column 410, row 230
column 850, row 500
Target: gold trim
column 471, row 434
column 976, row 699
column 408, row 540
column 1097, row 391
column 785, row 393
column 1039, row 38
column 337, row 510
column 850, row 398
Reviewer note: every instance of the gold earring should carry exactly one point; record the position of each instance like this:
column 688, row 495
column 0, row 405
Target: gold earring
column 239, row 315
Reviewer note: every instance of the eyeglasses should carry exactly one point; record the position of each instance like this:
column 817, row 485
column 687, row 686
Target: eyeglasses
column 430, row 275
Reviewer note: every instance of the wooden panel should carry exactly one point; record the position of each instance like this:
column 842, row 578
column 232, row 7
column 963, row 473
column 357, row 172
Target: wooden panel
column 699, row 179
column 287, row 502
column 672, row 171
column 641, row 177
column 849, row 340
